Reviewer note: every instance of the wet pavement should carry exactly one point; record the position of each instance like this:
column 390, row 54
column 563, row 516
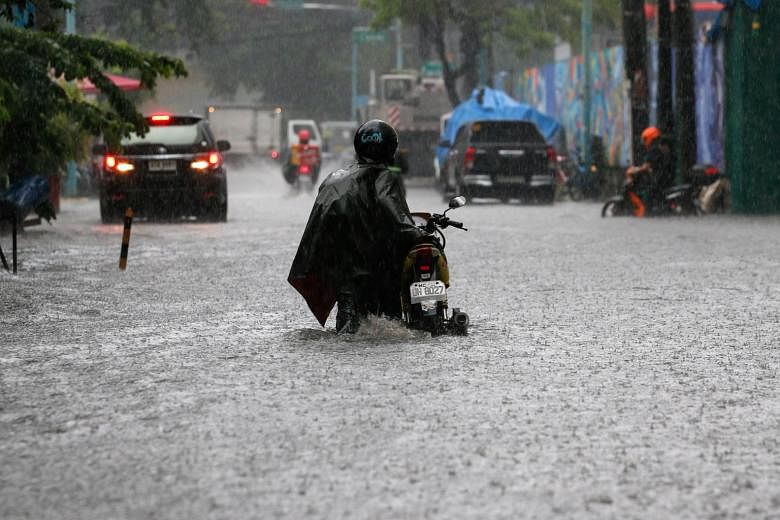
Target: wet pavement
column 616, row 368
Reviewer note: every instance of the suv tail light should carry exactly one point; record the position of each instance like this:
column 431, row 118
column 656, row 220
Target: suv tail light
column 468, row 157
column 114, row 164
column 552, row 157
column 209, row 161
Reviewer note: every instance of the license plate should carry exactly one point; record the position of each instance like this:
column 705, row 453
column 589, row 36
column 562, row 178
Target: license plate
column 428, row 291
column 503, row 179
column 162, row 166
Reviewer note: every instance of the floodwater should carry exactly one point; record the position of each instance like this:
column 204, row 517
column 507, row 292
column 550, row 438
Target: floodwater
column 615, row 368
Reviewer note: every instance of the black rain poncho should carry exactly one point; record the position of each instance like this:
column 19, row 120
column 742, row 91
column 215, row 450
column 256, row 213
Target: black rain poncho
column 358, row 234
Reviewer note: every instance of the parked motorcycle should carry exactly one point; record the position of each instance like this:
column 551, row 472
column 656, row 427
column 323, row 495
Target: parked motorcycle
column 683, row 199
column 577, row 181
column 426, row 274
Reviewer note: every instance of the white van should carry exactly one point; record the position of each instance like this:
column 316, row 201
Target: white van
column 296, row 125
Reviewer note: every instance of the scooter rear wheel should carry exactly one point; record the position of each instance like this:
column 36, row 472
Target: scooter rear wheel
column 613, row 208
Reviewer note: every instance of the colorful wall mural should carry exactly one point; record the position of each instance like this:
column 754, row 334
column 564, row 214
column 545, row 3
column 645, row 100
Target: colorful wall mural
column 556, row 89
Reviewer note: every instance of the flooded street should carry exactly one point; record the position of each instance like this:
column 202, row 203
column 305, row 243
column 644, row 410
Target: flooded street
column 615, row 368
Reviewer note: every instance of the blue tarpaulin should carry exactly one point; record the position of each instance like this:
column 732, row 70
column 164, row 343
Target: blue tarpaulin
column 489, row 104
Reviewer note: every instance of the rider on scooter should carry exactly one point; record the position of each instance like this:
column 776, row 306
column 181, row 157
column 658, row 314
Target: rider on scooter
column 357, row 236
column 656, row 173
column 303, row 155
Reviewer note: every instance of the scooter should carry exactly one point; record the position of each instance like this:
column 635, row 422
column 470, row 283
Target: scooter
column 683, row 199
column 425, row 273
column 305, row 172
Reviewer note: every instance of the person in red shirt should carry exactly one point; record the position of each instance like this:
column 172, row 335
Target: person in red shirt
column 304, row 159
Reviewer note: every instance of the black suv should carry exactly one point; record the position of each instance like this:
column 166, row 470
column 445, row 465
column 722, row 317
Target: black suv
column 504, row 159
column 174, row 170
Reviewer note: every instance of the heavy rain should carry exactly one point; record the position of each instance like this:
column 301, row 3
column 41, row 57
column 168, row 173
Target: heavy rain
column 226, row 293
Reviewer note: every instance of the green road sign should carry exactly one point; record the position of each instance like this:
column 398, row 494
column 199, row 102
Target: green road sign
column 288, row 4
column 360, row 35
column 432, row 69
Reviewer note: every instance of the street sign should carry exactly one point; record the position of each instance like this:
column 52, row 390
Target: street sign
column 432, row 69
column 365, row 35
column 288, row 4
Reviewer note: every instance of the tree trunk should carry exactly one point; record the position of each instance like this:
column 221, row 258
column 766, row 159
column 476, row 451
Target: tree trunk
column 470, row 49
column 665, row 94
column 686, row 94
column 438, row 29
column 635, row 38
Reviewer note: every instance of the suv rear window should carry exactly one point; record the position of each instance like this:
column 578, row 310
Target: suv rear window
column 505, row 132
column 168, row 134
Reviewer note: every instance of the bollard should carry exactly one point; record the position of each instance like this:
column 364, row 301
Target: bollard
column 126, row 239
column 13, row 242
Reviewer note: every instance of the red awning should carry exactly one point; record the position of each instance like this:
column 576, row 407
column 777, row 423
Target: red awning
column 126, row 84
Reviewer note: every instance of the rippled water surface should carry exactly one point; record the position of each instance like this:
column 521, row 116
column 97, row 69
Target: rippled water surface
column 616, row 368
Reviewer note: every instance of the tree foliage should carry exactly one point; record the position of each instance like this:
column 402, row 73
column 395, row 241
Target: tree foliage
column 541, row 25
column 475, row 20
column 161, row 25
column 527, row 25
column 295, row 57
column 38, row 111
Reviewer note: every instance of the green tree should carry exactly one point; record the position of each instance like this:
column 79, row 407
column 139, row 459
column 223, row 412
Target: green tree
column 296, row 58
column 527, row 25
column 160, row 25
column 537, row 26
column 475, row 20
column 38, row 111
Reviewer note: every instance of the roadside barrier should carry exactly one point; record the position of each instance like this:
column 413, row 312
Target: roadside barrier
column 126, row 239
column 8, row 214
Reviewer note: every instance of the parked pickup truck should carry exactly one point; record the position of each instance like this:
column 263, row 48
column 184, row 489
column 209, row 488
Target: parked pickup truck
column 501, row 159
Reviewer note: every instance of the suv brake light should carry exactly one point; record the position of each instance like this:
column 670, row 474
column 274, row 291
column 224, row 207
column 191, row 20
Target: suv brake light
column 160, row 119
column 552, row 156
column 115, row 164
column 209, row 161
column 468, row 157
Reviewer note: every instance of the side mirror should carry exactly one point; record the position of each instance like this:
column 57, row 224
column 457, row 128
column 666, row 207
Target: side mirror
column 223, row 146
column 444, row 143
column 457, row 202
column 99, row 149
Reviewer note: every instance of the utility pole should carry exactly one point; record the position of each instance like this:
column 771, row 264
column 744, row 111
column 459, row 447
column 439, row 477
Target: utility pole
column 399, row 50
column 71, row 181
column 587, row 94
column 665, row 114
column 686, row 94
column 635, row 38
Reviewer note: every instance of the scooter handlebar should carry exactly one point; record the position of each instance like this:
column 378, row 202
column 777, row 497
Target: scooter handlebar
column 456, row 224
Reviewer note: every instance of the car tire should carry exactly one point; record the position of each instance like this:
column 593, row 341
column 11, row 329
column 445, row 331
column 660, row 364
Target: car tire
column 547, row 195
column 109, row 212
column 461, row 189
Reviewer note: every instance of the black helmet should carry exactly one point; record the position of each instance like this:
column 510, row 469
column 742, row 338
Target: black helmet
column 376, row 141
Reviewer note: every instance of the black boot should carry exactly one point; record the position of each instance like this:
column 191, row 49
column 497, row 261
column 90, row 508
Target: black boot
column 347, row 318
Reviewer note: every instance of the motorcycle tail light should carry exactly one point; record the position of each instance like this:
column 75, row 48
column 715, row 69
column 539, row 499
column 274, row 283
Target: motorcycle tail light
column 712, row 170
column 468, row 157
column 425, row 267
column 304, row 169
